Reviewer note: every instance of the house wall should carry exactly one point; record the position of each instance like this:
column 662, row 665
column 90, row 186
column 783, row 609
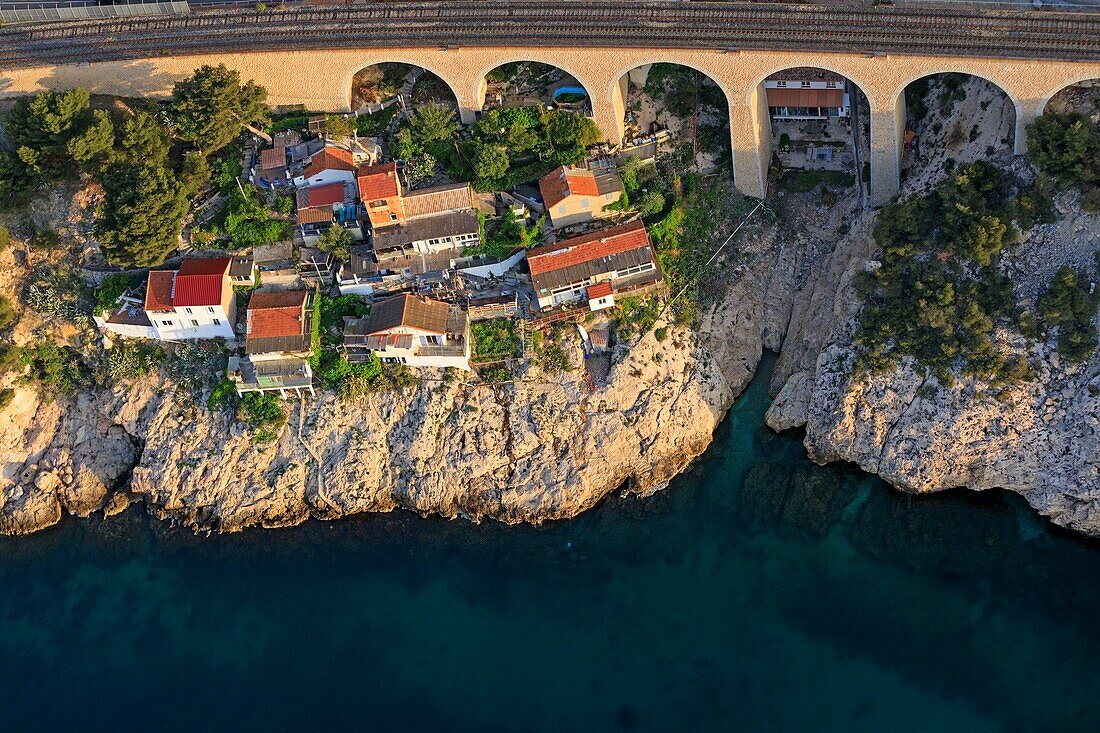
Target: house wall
column 576, row 209
column 325, row 177
column 497, row 269
column 178, row 326
column 322, row 79
column 126, row 330
column 439, row 244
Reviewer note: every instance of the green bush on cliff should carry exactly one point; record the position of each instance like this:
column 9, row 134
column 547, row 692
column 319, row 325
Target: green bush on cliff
column 936, row 296
column 263, row 413
column 1067, row 305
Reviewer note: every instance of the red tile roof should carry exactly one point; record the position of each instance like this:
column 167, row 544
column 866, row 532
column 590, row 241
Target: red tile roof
column 326, row 195
column 199, row 282
column 205, row 266
column 158, row 290
column 330, row 159
column 804, row 97
column 562, row 182
column 378, row 182
column 272, row 158
column 314, row 215
column 598, row 290
column 587, row 247
column 277, row 313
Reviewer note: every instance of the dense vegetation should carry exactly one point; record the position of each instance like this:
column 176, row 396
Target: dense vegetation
column 495, row 340
column 511, row 145
column 137, row 154
column 937, row 296
column 508, row 234
column 1067, row 148
column 328, row 362
column 1067, row 305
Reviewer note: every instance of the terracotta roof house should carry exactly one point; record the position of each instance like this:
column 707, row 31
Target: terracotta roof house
column 594, row 267
column 328, row 165
column 278, row 333
column 380, row 191
column 194, row 302
column 807, row 94
column 321, row 207
column 412, row 330
column 575, row 195
column 272, row 167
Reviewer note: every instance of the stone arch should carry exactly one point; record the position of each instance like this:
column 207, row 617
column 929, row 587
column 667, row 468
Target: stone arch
column 755, row 98
column 410, row 60
column 618, row 86
column 1018, row 139
column 482, row 72
column 1051, row 94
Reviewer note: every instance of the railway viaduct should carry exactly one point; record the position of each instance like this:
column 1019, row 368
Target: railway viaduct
column 300, row 69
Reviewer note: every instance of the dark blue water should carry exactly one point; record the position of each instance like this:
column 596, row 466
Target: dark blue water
column 759, row 592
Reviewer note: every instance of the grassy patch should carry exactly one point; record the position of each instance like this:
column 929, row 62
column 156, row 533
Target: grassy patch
column 804, row 181
column 495, row 340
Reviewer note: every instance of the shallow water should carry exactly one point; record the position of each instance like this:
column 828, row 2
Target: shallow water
column 760, row 592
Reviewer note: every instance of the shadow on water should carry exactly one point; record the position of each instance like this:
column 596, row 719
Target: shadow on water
column 759, row 588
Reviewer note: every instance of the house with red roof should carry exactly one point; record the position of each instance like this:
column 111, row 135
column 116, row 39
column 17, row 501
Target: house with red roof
column 575, row 195
column 380, row 191
column 594, row 267
column 328, row 165
column 194, row 302
column 278, row 342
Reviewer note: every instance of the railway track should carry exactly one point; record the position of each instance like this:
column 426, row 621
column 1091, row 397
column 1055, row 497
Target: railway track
column 626, row 23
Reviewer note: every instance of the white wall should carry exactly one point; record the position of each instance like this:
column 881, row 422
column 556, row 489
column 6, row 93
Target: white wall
column 498, row 269
column 325, row 177
column 183, row 327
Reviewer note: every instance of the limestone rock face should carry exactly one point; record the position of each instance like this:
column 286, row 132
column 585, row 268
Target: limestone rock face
column 1039, row 439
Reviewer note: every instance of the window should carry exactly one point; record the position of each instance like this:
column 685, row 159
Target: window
column 805, row 85
column 217, row 322
column 188, row 310
column 830, row 85
column 781, row 83
column 393, row 217
column 644, row 267
column 194, row 323
column 210, row 309
column 167, row 323
column 584, row 203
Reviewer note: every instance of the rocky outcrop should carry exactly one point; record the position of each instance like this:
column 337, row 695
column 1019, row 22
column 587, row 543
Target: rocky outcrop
column 543, row 447
column 1039, row 439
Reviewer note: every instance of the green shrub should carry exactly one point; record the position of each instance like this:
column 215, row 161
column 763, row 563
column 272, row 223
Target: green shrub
column 263, row 413
column 495, row 340
column 635, row 315
column 222, row 397
column 55, row 370
column 108, row 293
column 8, row 314
column 1066, row 147
column 554, row 359
column 130, row 360
column 6, row 396
column 1067, row 305
column 936, row 297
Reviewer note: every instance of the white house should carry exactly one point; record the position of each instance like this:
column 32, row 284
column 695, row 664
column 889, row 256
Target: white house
column 408, row 329
column 807, row 94
column 329, row 165
column 193, row 302
column 278, row 336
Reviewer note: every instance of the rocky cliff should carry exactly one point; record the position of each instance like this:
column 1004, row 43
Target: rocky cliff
column 543, row 447
column 1039, row 439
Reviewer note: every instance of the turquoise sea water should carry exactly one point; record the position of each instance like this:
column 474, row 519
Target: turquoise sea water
column 759, row 592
